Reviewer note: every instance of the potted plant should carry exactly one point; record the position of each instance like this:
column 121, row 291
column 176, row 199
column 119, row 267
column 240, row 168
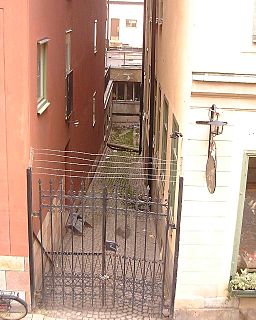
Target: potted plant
column 243, row 284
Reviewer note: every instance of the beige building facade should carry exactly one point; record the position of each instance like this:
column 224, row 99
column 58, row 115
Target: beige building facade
column 204, row 54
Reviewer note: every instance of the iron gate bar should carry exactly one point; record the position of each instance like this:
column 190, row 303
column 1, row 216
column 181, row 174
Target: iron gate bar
column 125, row 243
column 30, row 236
column 93, row 224
column 165, row 251
column 62, row 239
column 72, row 243
column 83, row 192
column 145, row 253
column 156, row 218
column 177, row 246
column 135, row 247
column 41, row 237
column 114, row 287
column 104, row 234
column 51, row 229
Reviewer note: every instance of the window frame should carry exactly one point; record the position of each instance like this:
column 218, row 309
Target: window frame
column 95, row 36
column 68, row 49
column 42, row 102
column 129, row 23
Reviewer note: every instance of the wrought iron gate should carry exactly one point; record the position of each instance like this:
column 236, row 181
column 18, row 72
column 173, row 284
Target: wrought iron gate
column 100, row 247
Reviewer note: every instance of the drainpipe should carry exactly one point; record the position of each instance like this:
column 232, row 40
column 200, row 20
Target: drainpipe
column 108, row 24
column 142, row 79
column 152, row 96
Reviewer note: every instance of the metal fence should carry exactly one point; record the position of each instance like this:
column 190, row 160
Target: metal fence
column 98, row 241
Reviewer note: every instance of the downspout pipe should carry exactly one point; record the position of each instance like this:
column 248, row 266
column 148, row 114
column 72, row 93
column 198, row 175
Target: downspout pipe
column 142, row 78
column 152, row 96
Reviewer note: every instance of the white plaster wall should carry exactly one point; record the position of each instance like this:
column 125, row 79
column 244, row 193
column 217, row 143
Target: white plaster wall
column 131, row 36
column 221, row 42
column 209, row 220
column 222, row 36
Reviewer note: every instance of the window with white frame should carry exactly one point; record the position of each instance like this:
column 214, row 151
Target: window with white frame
column 131, row 23
column 94, row 109
column 42, row 102
column 68, row 51
column 95, row 35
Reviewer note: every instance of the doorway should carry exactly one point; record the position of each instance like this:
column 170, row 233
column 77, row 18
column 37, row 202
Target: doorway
column 115, row 27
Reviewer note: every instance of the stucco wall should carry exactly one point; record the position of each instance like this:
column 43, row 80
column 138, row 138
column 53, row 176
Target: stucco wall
column 209, row 220
column 223, row 53
column 50, row 129
column 13, row 127
column 131, row 36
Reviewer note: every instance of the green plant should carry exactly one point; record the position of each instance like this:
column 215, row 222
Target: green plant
column 244, row 280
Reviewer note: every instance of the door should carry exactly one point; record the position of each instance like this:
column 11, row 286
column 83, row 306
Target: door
column 115, row 27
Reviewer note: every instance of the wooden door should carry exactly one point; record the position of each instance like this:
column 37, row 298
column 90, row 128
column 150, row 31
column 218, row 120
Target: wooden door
column 115, row 25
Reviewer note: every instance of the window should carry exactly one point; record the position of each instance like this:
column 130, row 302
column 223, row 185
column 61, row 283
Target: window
column 69, row 94
column 137, row 91
column 42, row 102
column 129, row 95
column 94, row 109
column 164, row 139
column 95, row 35
column 126, row 91
column 120, row 91
column 69, row 76
column 131, row 23
column 68, row 51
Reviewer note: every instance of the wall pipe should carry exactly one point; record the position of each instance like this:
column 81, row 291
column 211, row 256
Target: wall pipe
column 152, row 95
column 142, row 78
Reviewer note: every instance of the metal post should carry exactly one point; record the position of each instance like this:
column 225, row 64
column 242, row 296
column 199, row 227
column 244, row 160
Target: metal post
column 104, row 234
column 30, row 237
column 176, row 250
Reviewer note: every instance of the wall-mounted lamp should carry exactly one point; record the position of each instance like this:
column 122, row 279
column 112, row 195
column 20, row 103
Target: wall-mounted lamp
column 74, row 122
column 216, row 128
